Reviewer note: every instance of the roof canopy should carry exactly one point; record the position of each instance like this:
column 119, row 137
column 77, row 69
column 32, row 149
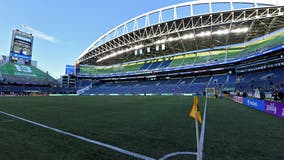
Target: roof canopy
column 127, row 36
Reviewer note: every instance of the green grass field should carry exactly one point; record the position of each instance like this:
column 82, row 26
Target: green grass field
column 152, row 126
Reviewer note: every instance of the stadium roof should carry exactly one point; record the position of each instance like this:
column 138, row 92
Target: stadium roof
column 185, row 27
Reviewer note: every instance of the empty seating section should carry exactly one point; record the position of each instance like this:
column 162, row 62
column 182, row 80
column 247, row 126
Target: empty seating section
column 149, row 65
column 86, row 69
column 231, row 82
column 202, row 57
column 223, row 82
column 131, row 67
column 145, row 66
column 24, row 74
column 199, row 84
column 165, row 64
column 84, row 83
column 270, row 41
column 217, row 56
column 251, row 81
column 233, row 53
column 218, row 81
column 188, row 59
column 177, row 61
column 265, row 80
column 173, row 86
column 154, row 65
column 230, row 53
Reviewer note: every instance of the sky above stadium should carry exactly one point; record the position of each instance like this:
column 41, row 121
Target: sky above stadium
column 63, row 29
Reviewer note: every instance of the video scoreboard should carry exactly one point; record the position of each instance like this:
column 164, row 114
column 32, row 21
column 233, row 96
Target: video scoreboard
column 21, row 47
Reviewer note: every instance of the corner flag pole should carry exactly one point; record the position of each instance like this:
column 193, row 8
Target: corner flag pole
column 197, row 137
column 195, row 113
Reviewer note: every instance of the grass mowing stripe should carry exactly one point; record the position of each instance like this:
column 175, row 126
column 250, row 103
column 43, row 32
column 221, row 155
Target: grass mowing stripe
column 136, row 155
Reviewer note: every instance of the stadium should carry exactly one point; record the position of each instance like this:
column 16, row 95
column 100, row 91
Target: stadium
column 129, row 93
column 165, row 51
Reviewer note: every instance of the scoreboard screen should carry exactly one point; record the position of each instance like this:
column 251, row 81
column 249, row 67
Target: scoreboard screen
column 21, row 46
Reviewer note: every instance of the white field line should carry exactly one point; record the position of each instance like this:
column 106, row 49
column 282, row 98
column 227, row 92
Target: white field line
column 177, row 153
column 123, row 151
column 201, row 141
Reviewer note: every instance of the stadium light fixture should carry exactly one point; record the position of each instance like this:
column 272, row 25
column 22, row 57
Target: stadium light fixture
column 138, row 46
column 171, row 39
column 221, row 32
column 203, row 34
column 161, row 41
column 188, row 36
column 157, row 47
column 148, row 49
column 141, row 51
column 240, row 30
column 120, row 52
column 163, row 47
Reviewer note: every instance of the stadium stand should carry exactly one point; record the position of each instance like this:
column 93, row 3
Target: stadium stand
column 208, row 57
column 20, row 79
column 188, row 85
column 267, row 80
column 247, row 82
column 24, row 74
column 238, row 49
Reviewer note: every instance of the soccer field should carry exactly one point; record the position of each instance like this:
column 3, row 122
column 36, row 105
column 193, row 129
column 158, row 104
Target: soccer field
column 150, row 126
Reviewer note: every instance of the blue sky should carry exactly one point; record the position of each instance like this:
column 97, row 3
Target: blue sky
column 67, row 27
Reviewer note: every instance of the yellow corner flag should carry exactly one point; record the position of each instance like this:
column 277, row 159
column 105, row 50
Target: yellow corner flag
column 195, row 112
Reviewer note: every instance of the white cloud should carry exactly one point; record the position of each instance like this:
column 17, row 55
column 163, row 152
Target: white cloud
column 40, row 35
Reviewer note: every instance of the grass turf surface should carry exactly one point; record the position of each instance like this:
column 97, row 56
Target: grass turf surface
column 153, row 126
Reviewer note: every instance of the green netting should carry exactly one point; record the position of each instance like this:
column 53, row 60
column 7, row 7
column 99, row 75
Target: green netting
column 18, row 70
